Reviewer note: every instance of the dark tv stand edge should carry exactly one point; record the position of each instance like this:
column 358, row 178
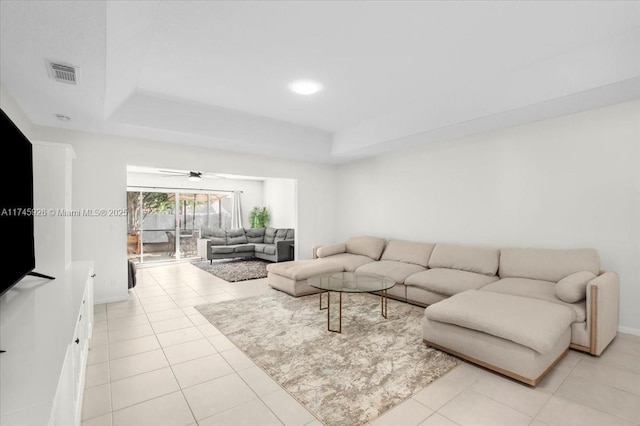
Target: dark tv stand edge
column 39, row 275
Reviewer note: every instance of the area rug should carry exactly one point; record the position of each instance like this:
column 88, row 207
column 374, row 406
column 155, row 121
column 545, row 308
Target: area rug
column 235, row 270
column 343, row 379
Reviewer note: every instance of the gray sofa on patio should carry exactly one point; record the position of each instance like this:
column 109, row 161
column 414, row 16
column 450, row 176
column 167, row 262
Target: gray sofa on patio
column 272, row 244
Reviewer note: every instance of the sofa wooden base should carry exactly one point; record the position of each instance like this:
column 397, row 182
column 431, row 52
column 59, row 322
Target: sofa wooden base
column 525, row 380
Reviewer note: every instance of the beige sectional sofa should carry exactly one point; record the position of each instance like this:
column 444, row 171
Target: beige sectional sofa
column 514, row 310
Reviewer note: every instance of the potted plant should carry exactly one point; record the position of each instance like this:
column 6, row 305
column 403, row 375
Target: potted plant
column 259, row 217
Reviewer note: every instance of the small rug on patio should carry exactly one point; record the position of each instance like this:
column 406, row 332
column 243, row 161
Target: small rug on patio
column 235, row 270
column 343, row 379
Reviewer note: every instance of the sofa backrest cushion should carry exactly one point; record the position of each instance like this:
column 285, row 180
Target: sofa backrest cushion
column 290, row 234
column 366, row 246
column 331, row 250
column 408, row 252
column 281, row 234
column 217, row 236
column 480, row 259
column 269, row 235
column 236, row 236
column 254, row 235
column 547, row 264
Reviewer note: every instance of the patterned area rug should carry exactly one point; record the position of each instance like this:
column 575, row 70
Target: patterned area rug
column 343, row 379
column 235, row 270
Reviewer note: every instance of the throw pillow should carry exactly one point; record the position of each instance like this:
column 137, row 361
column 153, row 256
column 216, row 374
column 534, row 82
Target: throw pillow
column 573, row 288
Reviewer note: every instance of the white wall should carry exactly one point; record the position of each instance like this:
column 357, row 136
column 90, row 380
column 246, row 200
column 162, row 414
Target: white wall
column 279, row 197
column 572, row 181
column 100, row 181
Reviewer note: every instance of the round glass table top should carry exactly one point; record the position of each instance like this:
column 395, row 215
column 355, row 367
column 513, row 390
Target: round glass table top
column 351, row 282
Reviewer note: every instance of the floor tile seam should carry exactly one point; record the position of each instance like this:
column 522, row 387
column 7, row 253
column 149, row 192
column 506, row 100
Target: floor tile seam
column 532, row 416
column 124, row 327
column 156, row 397
column 132, row 338
column 146, row 400
column 139, row 374
column 621, row 366
column 573, row 401
column 138, row 353
column 598, row 382
column 193, row 359
column 552, row 394
column 232, row 372
column 618, row 365
column 292, row 397
column 175, row 329
column 441, row 414
column 469, row 389
column 132, row 355
column 258, row 397
column 100, row 415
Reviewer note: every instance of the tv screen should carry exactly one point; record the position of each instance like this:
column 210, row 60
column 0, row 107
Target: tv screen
column 16, row 213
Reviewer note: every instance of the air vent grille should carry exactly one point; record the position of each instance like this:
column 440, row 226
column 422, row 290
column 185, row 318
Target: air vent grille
column 63, row 73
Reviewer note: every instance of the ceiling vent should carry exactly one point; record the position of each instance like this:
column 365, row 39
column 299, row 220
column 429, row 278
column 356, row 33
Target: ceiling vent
column 64, row 73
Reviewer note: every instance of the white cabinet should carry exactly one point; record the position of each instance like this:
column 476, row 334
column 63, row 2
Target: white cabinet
column 45, row 327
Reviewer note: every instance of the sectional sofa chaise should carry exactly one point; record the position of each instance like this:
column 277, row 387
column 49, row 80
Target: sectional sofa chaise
column 273, row 244
column 516, row 311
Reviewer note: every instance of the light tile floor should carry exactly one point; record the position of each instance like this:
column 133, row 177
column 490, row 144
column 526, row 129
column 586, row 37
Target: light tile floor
column 154, row 360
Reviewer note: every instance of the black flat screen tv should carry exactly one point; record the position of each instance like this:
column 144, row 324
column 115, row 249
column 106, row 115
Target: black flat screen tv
column 16, row 213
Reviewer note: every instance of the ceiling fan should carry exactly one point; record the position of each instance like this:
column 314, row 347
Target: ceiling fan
column 191, row 175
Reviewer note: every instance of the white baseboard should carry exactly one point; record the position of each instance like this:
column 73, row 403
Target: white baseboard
column 629, row 330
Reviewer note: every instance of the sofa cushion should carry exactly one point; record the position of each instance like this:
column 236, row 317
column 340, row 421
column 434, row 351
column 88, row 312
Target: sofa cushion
column 236, row 236
column 547, row 264
column 331, row 250
column 281, row 234
column 366, row 246
column 535, row 289
column 347, row 261
column 242, row 248
column 303, row 269
column 533, row 323
column 448, row 281
column 573, row 288
column 397, row 271
column 259, row 247
column 408, row 252
column 254, row 235
column 217, row 236
column 483, row 260
column 290, row 234
column 269, row 235
column 221, row 249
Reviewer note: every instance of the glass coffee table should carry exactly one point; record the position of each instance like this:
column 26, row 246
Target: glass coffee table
column 350, row 282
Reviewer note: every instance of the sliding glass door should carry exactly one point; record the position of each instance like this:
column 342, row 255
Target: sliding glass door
column 165, row 226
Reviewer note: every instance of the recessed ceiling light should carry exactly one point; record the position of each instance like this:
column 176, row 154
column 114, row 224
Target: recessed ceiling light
column 63, row 117
column 305, row 87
